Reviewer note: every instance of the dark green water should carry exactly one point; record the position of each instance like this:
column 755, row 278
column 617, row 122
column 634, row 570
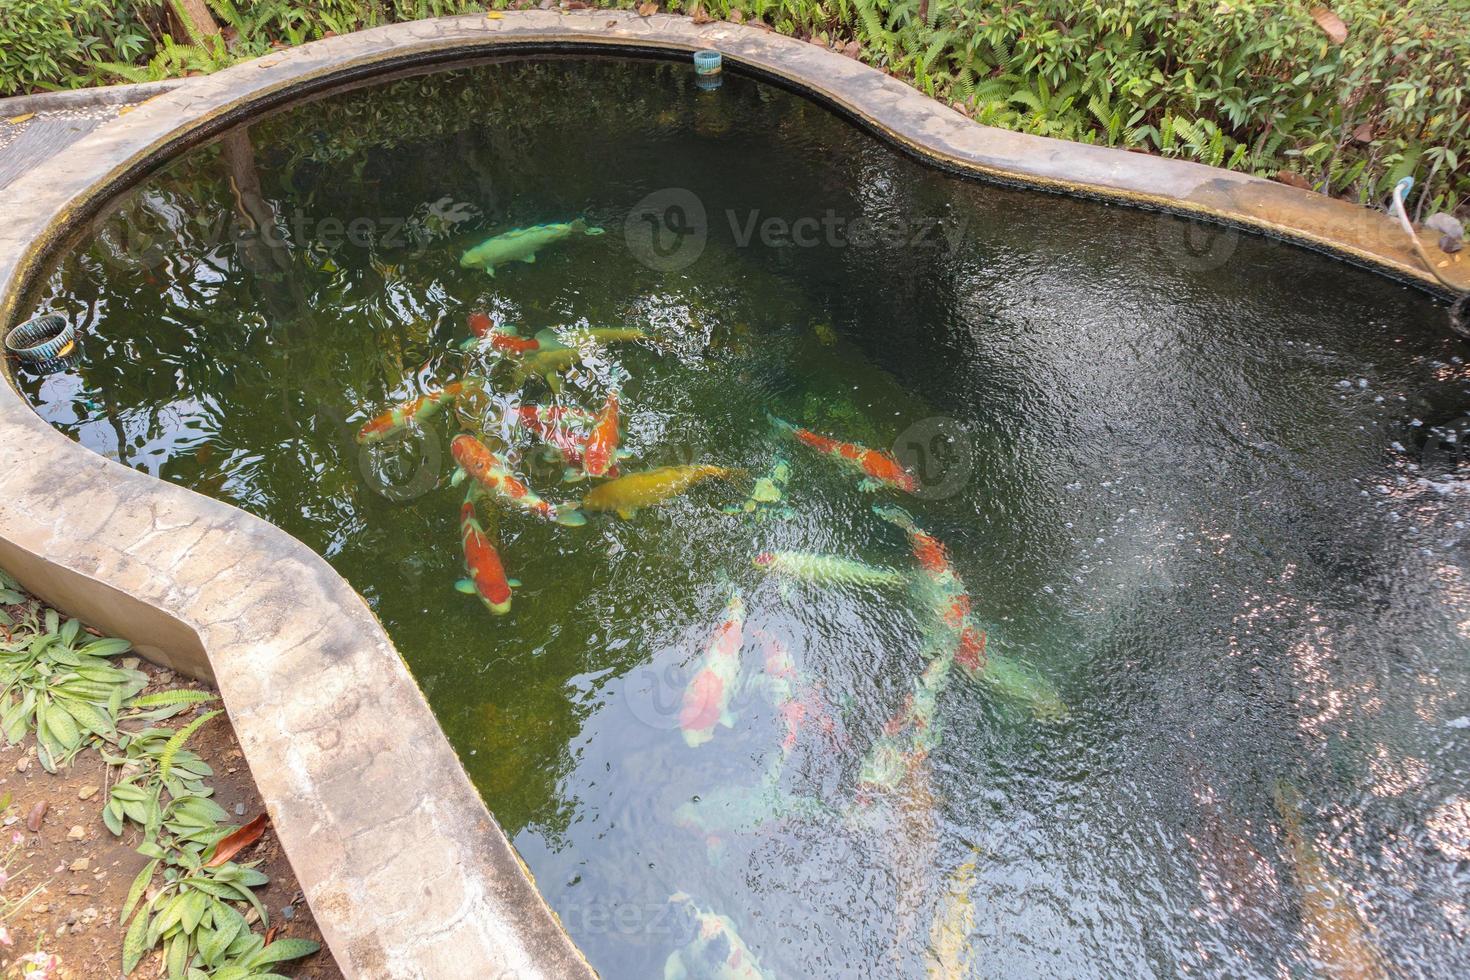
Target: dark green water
column 1196, row 485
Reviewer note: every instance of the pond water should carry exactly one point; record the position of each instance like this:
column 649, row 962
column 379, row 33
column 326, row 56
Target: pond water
column 1205, row 706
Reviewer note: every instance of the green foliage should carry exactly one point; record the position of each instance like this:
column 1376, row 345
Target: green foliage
column 1252, row 85
column 59, row 684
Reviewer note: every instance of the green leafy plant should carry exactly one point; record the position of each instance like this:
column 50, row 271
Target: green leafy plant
column 59, row 684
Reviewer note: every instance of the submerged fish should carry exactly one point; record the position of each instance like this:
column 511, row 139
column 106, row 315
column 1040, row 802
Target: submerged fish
column 706, row 701
column 737, row 811
column 767, row 494
column 562, row 429
column 908, row 736
column 521, row 244
column 941, row 592
column 954, row 923
column 793, row 700
column 715, row 953
column 602, row 444
column 627, row 494
column 505, row 339
column 417, row 410
column 1338, row 938
column 827, row 569
column 878, row 468
column 491, row 472
column 486, row 575
column 554, row 356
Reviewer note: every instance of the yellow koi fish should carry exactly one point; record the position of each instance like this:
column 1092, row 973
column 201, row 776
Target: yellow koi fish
column 627, row 494
column 954, row 922
column 1339, row 939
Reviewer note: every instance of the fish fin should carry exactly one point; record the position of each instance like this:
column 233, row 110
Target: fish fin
column 546, row 339
column 553, row 381
column 570, row 517
column 469, row 344
column 572, row 475
column 490, row 271
column 514, row 583
column 466, row 586
column 529, row 259
column 457, row 477
column 594, row 231
column 780, row 425
column 870, row 485
column 509, row 330
column 623, row 454
column 626, row 513
column 727, row 718
column 894, row 515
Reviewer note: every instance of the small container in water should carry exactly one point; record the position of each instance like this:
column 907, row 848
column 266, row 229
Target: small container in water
column 42, row 341
column 707, row 69
column 707, row 62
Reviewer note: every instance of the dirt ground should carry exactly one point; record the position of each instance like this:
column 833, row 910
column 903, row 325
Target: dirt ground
column 85, row 872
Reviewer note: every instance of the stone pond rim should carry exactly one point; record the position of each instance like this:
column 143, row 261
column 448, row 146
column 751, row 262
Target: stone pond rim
column 405, row 869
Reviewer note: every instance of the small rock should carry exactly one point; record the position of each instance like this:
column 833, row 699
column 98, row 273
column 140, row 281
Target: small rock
column 77, row 832
column 288, row 912
column 11, row 819
column 60, row 931
column 41, row 909
column 130, row 663
column 76, row 890
column 80, row 864
column 23, row 763
column 71, row 918
column 37, row 814
column 239, row 809
column 87, row 792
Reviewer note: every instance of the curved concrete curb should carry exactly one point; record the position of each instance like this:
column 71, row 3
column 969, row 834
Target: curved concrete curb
column 86, row 98
column 405, row 870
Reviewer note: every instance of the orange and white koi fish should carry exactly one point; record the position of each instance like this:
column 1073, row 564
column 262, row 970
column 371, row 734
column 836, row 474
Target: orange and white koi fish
column 486, row 575
column 491, row 472
column 706, row 700
column 602, row 444
column 952, row 628
column 793, row 700
column 715, row 953
column 504, row 339
column 397, row 419
column 879, row 469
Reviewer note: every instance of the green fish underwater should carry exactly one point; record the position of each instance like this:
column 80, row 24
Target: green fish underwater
column 715, row 953
column 804, row 566
column 521, row 244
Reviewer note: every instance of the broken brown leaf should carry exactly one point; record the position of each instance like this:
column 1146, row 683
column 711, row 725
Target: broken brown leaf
column 1331, row 24
column 232, row 844
column 1364, row 132
column 1293, row 180
column 647, row 9
column 700, row 17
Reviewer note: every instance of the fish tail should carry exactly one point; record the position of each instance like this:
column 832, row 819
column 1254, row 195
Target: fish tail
column 548, row 340
column 568, row 515
column 581, row 225
column 896, row 516
column 780, row 425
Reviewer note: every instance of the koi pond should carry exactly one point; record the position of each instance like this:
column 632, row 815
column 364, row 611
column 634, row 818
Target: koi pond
column 824, row 565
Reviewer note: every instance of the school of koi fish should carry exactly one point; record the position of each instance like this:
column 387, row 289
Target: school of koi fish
column 893, row 776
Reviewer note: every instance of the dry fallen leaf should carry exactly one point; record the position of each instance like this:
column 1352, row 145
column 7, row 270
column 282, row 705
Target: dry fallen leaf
column 232, row 844
column 17, row 120
column 1293, row 180
column 1364, row 133
column 1331, row 24
column 494, row 15
column 647, row 9
column 736, row 16
column 699, row 16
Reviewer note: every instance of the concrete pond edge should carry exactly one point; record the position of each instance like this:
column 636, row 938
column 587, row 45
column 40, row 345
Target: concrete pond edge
column 406, row 871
